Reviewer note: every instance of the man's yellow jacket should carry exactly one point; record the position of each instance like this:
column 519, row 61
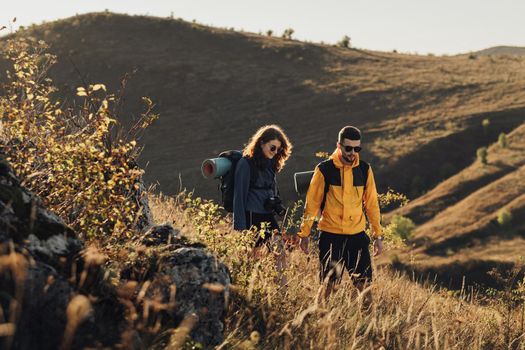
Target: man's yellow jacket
column 341, row 210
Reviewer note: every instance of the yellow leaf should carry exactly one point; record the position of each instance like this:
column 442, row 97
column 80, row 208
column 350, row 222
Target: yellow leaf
column 97, row 87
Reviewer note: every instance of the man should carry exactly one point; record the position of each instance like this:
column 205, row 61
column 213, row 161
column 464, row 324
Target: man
column 339, row 190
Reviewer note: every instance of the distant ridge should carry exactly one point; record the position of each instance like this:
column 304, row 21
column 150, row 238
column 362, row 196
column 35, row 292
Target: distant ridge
column 502, row 50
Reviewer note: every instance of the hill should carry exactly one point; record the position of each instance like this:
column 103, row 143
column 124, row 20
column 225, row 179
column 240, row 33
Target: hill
column 458, row 233
column 421, row 115
column 503, row 50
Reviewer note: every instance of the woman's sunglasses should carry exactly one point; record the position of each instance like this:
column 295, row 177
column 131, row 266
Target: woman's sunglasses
column 274, row 148
column 356, row 149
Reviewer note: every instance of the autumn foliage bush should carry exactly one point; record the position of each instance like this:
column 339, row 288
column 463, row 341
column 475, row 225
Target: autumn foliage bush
column 73, row 157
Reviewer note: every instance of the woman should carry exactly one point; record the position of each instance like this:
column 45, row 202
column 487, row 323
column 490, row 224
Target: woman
column 255, row 186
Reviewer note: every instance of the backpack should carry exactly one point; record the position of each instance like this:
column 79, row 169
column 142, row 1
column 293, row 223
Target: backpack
column 227, row 181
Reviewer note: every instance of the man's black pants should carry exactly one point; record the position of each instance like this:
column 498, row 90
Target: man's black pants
column 338, row 252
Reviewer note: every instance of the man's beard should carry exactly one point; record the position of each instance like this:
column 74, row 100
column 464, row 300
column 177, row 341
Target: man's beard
column 348, row 159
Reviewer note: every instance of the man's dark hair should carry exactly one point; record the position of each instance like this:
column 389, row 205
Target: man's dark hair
column 349, row 132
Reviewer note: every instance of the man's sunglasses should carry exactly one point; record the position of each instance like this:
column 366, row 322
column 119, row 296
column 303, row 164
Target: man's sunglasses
column 356, row 149
column 274, row 148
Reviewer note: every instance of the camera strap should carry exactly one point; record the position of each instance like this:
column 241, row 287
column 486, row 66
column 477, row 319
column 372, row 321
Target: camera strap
column 275, row 188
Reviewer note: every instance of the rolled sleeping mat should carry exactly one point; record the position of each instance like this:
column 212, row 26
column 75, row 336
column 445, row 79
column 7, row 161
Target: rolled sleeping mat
column 214, row 168
column 302, row 181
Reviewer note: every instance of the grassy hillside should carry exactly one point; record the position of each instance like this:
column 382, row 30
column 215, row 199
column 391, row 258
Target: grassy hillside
column 458, row 229
column 500, row 162
column 401, row 315
column 214, row 87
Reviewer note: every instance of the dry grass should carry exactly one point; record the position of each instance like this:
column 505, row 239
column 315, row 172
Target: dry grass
column 402, row 314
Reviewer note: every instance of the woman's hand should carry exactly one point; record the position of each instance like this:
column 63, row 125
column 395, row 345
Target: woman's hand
column 303, row 244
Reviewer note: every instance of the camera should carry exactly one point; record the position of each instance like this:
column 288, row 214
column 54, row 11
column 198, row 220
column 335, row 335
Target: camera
column 274, row 203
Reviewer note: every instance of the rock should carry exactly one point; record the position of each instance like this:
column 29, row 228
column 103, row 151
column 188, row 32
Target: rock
column 23, row 213
column 42, row 309
column 145, row 219
column 42, row 268
column 191, row 269
column 170, row 261
column 160, row 234
column 58, row 250
column 43, row 318
column 47, row 224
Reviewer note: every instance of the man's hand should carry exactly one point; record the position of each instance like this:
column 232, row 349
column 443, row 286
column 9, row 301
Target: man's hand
column 378, row 246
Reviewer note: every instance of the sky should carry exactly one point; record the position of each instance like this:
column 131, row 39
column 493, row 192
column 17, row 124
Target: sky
column 415, row 26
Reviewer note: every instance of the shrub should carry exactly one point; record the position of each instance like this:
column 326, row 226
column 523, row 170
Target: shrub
column 287, row 34
column 269, row 33
column 485, row 123
column 345, row 42
column 401, row 227
column 504, row 218
column 450, row 126
column 323, row 155
column 391, row 200
column 482, row 154
column 502, row 140
column 65, row 155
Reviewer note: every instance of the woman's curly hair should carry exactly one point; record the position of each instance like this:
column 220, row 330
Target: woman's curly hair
column 265, row 134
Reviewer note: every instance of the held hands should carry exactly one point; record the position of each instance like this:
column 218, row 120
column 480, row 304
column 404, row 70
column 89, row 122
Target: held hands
column 303, row 244
column 296, row 241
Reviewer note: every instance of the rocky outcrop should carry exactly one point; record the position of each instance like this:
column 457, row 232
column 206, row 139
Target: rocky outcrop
column 56, row 294
column 42, row 269
column 145, row 219
column 201, row 282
